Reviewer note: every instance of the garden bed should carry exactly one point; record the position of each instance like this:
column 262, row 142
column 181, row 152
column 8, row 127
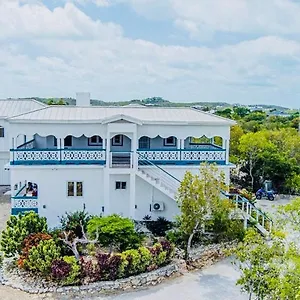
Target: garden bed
column 18, row 279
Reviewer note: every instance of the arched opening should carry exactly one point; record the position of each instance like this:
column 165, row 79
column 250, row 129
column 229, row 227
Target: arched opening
column 144, row 143
column 203, row 143
column 120, row 151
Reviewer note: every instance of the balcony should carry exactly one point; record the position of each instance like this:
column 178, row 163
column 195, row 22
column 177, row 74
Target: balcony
column 25, row 200
column 57, row 156
column 183, row 156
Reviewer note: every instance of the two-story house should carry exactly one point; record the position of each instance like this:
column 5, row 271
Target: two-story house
column 124, row 160
column 8, row 108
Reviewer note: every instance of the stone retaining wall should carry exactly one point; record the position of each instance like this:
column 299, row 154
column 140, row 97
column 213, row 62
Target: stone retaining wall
column 21, row 280
column 200, row 257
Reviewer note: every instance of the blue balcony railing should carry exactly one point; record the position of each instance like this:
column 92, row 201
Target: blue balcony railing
column 183, row 156
column 57, row 156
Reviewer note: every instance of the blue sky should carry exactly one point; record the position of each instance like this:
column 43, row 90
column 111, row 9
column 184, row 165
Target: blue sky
column 237, row 51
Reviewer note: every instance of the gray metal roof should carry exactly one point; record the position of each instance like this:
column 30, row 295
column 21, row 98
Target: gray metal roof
column 143, row 115
column 13, row 107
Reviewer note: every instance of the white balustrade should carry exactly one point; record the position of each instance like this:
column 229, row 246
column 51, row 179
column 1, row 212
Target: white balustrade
column 36, row 155
column 203, row 155
column 70, row 155
column 24, row 203
column 157, row 155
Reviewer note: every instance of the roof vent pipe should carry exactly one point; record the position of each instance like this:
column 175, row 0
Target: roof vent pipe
column 83, row 99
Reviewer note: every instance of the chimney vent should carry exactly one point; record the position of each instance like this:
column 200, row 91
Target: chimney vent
column 83, row 99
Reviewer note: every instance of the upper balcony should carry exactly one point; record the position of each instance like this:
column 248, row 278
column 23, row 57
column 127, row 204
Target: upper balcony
column 120, row 151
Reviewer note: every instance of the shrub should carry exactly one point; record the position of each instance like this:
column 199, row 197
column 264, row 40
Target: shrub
column 30, row 241
column 158, row 227
column 159, row 256
column 40, row 258
column 115, row 231
column 74, row 274
column 60, row 269
column 104, row 267
column 146, row 258
column 168, row 248
column 133, row 257
column 73, row 221
column 18, row 228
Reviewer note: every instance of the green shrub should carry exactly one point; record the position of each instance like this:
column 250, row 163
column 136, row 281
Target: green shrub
column 40, row 258
column 146, row 258
column 133, row 257
column 158, row 227
column 74, row 275
column 73, row 221
column 159, row 256
column 115, row 231
column 18, row 228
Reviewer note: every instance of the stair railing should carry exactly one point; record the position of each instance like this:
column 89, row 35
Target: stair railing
column 161, row 176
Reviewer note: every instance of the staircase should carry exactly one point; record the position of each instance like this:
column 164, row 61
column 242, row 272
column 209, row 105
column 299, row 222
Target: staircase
column 168, row 184
column 159, row 178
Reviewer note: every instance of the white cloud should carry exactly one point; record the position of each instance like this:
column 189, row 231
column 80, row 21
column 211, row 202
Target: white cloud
column 37, row 21
column 241, row 16
column 97, row 2
column 73, row 52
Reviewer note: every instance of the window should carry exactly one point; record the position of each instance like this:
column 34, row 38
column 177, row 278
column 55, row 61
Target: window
column 1, row 131
column 170, row 141
column 68, row 141
column 54, row 141
column 95, row 140
column 117, row 140
column 75, row 188
column 120, row 185
column 144, row 142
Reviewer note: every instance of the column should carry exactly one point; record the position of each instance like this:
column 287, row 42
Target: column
column 132, row 195
column 108, row 149
column 134, row 146
column 12, row 153
column 227, row 150
column 106, row 188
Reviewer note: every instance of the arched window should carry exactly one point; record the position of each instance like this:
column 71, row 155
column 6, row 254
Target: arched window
column 68, row 141
column 144, row 142
column 95, row 140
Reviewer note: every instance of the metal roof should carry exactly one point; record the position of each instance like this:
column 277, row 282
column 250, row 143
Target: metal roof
column 13, row 107
column 144, row 115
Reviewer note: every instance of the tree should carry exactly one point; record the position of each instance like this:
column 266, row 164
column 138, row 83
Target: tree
column 256, row 260
column 271, row 269
column 196, row 196
column 251, row 147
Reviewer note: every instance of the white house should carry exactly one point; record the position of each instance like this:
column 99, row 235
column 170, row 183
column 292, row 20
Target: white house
column 10, row 108
column 125, row 160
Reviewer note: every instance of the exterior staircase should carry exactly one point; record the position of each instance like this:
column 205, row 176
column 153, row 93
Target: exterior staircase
column 168, row 184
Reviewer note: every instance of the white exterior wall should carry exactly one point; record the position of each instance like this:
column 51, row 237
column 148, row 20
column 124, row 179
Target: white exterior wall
column 52, row 189
column 146, row 195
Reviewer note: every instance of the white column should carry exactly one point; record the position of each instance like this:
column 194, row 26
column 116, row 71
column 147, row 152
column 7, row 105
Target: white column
column 106, row 192
column 108, row 149
column 227, row 151
column 132, row 195
column 134, row 146
column 223, row 143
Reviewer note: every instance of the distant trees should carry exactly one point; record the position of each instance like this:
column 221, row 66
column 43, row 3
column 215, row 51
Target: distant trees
column 52, row 101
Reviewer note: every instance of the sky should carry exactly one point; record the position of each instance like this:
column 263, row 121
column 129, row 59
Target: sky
column 235, row 51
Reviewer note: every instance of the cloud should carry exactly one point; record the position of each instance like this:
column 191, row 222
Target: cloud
column 35, row 20
column 236, row 16
column 103, row 3
column 63, row 51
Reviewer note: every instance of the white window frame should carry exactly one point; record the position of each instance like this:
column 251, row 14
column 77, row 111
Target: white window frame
column 75, row 188
column 173, row 144
column 2, row 132
column 98, row 143
column 145, row 142
column 120, row 143
column 121, row 185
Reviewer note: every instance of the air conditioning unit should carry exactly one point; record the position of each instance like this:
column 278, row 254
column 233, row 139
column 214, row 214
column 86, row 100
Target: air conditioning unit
column 158, row 206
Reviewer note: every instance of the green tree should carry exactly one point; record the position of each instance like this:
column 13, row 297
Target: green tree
column 196, row 196
column 251, row 147
column 258, row 263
